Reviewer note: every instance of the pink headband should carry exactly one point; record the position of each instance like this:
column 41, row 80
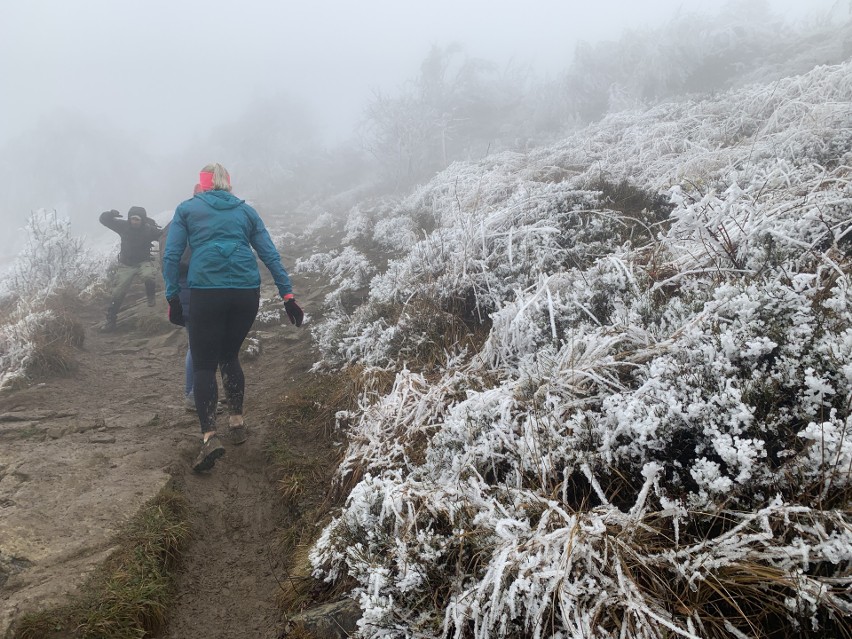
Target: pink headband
column 205, row 180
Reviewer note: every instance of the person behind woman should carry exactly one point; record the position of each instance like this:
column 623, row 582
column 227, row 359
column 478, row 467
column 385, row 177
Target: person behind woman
column 224, row 285
column 136, row 232
column 183, row 271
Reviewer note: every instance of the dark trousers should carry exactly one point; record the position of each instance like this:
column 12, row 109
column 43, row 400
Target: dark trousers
column 219, row 320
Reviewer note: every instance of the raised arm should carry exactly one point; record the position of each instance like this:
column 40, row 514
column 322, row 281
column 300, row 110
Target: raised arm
column 110, row 219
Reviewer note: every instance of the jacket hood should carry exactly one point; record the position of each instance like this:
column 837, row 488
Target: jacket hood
column 139, row 212
column 220, row 200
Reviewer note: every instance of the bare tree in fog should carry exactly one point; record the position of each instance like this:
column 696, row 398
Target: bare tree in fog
column 456, row 108
column 690, row 54
column 266, row 146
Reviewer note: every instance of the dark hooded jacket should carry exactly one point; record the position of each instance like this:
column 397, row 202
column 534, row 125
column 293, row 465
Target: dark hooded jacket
column 135, row 242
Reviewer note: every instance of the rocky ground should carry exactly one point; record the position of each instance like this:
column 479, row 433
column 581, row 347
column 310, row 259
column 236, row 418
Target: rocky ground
column 79, row 455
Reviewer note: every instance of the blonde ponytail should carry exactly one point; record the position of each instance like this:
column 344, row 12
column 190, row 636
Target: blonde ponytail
column 221, row 178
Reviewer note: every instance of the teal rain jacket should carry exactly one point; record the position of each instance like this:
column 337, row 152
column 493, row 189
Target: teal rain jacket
column 221, row 230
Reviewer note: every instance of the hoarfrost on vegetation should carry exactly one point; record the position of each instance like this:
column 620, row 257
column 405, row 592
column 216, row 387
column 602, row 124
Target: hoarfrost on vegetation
column 660, row 409
column 52, row 261
column 17, row 342
column 320, row 224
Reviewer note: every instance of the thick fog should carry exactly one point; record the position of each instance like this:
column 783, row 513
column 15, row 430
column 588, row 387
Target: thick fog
column 108, row 104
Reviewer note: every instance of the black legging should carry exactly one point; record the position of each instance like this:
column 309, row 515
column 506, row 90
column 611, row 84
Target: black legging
column 219, row 320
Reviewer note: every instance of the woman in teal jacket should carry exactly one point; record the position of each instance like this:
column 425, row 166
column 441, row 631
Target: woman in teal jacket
column 224, row 286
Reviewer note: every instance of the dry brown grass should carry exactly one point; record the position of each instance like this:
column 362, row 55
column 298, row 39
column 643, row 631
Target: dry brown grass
column 55, row 343
column 130, row 595
column 304, row 454
column 747, row 595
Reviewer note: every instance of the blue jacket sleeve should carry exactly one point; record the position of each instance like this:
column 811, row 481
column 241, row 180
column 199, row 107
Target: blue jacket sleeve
column 175, row 245
column 268, row 254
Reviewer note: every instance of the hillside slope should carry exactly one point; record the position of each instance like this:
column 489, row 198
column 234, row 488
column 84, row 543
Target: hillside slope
column 621, row 370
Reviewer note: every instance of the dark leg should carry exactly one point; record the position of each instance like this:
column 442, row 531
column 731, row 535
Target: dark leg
column 243, row 311
column 149, row 292
column 111, row 316
column 123, row 278
column 206, row 393
column 207, row 318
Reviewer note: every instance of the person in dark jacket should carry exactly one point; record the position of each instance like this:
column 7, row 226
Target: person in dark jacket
column 137, row 233
column 224, row 293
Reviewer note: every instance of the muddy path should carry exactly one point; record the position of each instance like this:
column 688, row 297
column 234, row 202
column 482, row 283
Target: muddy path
column 79, row 454
column 233, row 572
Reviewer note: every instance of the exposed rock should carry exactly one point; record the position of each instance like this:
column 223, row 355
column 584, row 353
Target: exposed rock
column 337, row 620
column 21, row 430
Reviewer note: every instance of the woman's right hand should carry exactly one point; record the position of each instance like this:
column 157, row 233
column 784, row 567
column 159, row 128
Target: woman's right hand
column 294, row 311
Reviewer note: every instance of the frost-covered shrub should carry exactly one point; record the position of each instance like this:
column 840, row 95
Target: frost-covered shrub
column 655, row 439
column 348, row 270
column 36, row 332
column 361, row 219
column 471, row 268
column 37, row 340
column 321, row 223
column 759, row 226
column 18, row 344
column 554, row 572
column 395, row 234
column 367, row 339
column 729, row 402
column 270, row 313
column 420, row 333
column 51, row 259
column 400, row 411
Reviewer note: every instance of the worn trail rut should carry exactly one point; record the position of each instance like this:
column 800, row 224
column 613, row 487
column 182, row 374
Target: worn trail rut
column 80, row 454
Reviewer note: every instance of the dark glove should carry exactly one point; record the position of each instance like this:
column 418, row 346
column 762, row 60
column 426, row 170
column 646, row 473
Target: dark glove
column 176, row 312
column 114, row 214
column 294, row 312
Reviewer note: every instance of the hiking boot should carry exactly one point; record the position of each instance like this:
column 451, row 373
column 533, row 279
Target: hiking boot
column 152, row 301
column 189, row 403
column 211, row 450
column 238, row 434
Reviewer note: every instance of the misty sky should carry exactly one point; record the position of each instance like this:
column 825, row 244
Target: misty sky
column 171, row 70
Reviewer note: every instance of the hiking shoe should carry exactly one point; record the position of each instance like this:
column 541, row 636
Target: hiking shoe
column 211, row 450
column 238, row 434
column 189, row 403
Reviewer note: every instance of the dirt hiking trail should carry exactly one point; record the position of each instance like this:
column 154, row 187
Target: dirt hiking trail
column 79, row 455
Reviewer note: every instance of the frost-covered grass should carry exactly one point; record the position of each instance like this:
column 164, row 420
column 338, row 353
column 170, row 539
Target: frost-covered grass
column 35, row 330
column 655, row 437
